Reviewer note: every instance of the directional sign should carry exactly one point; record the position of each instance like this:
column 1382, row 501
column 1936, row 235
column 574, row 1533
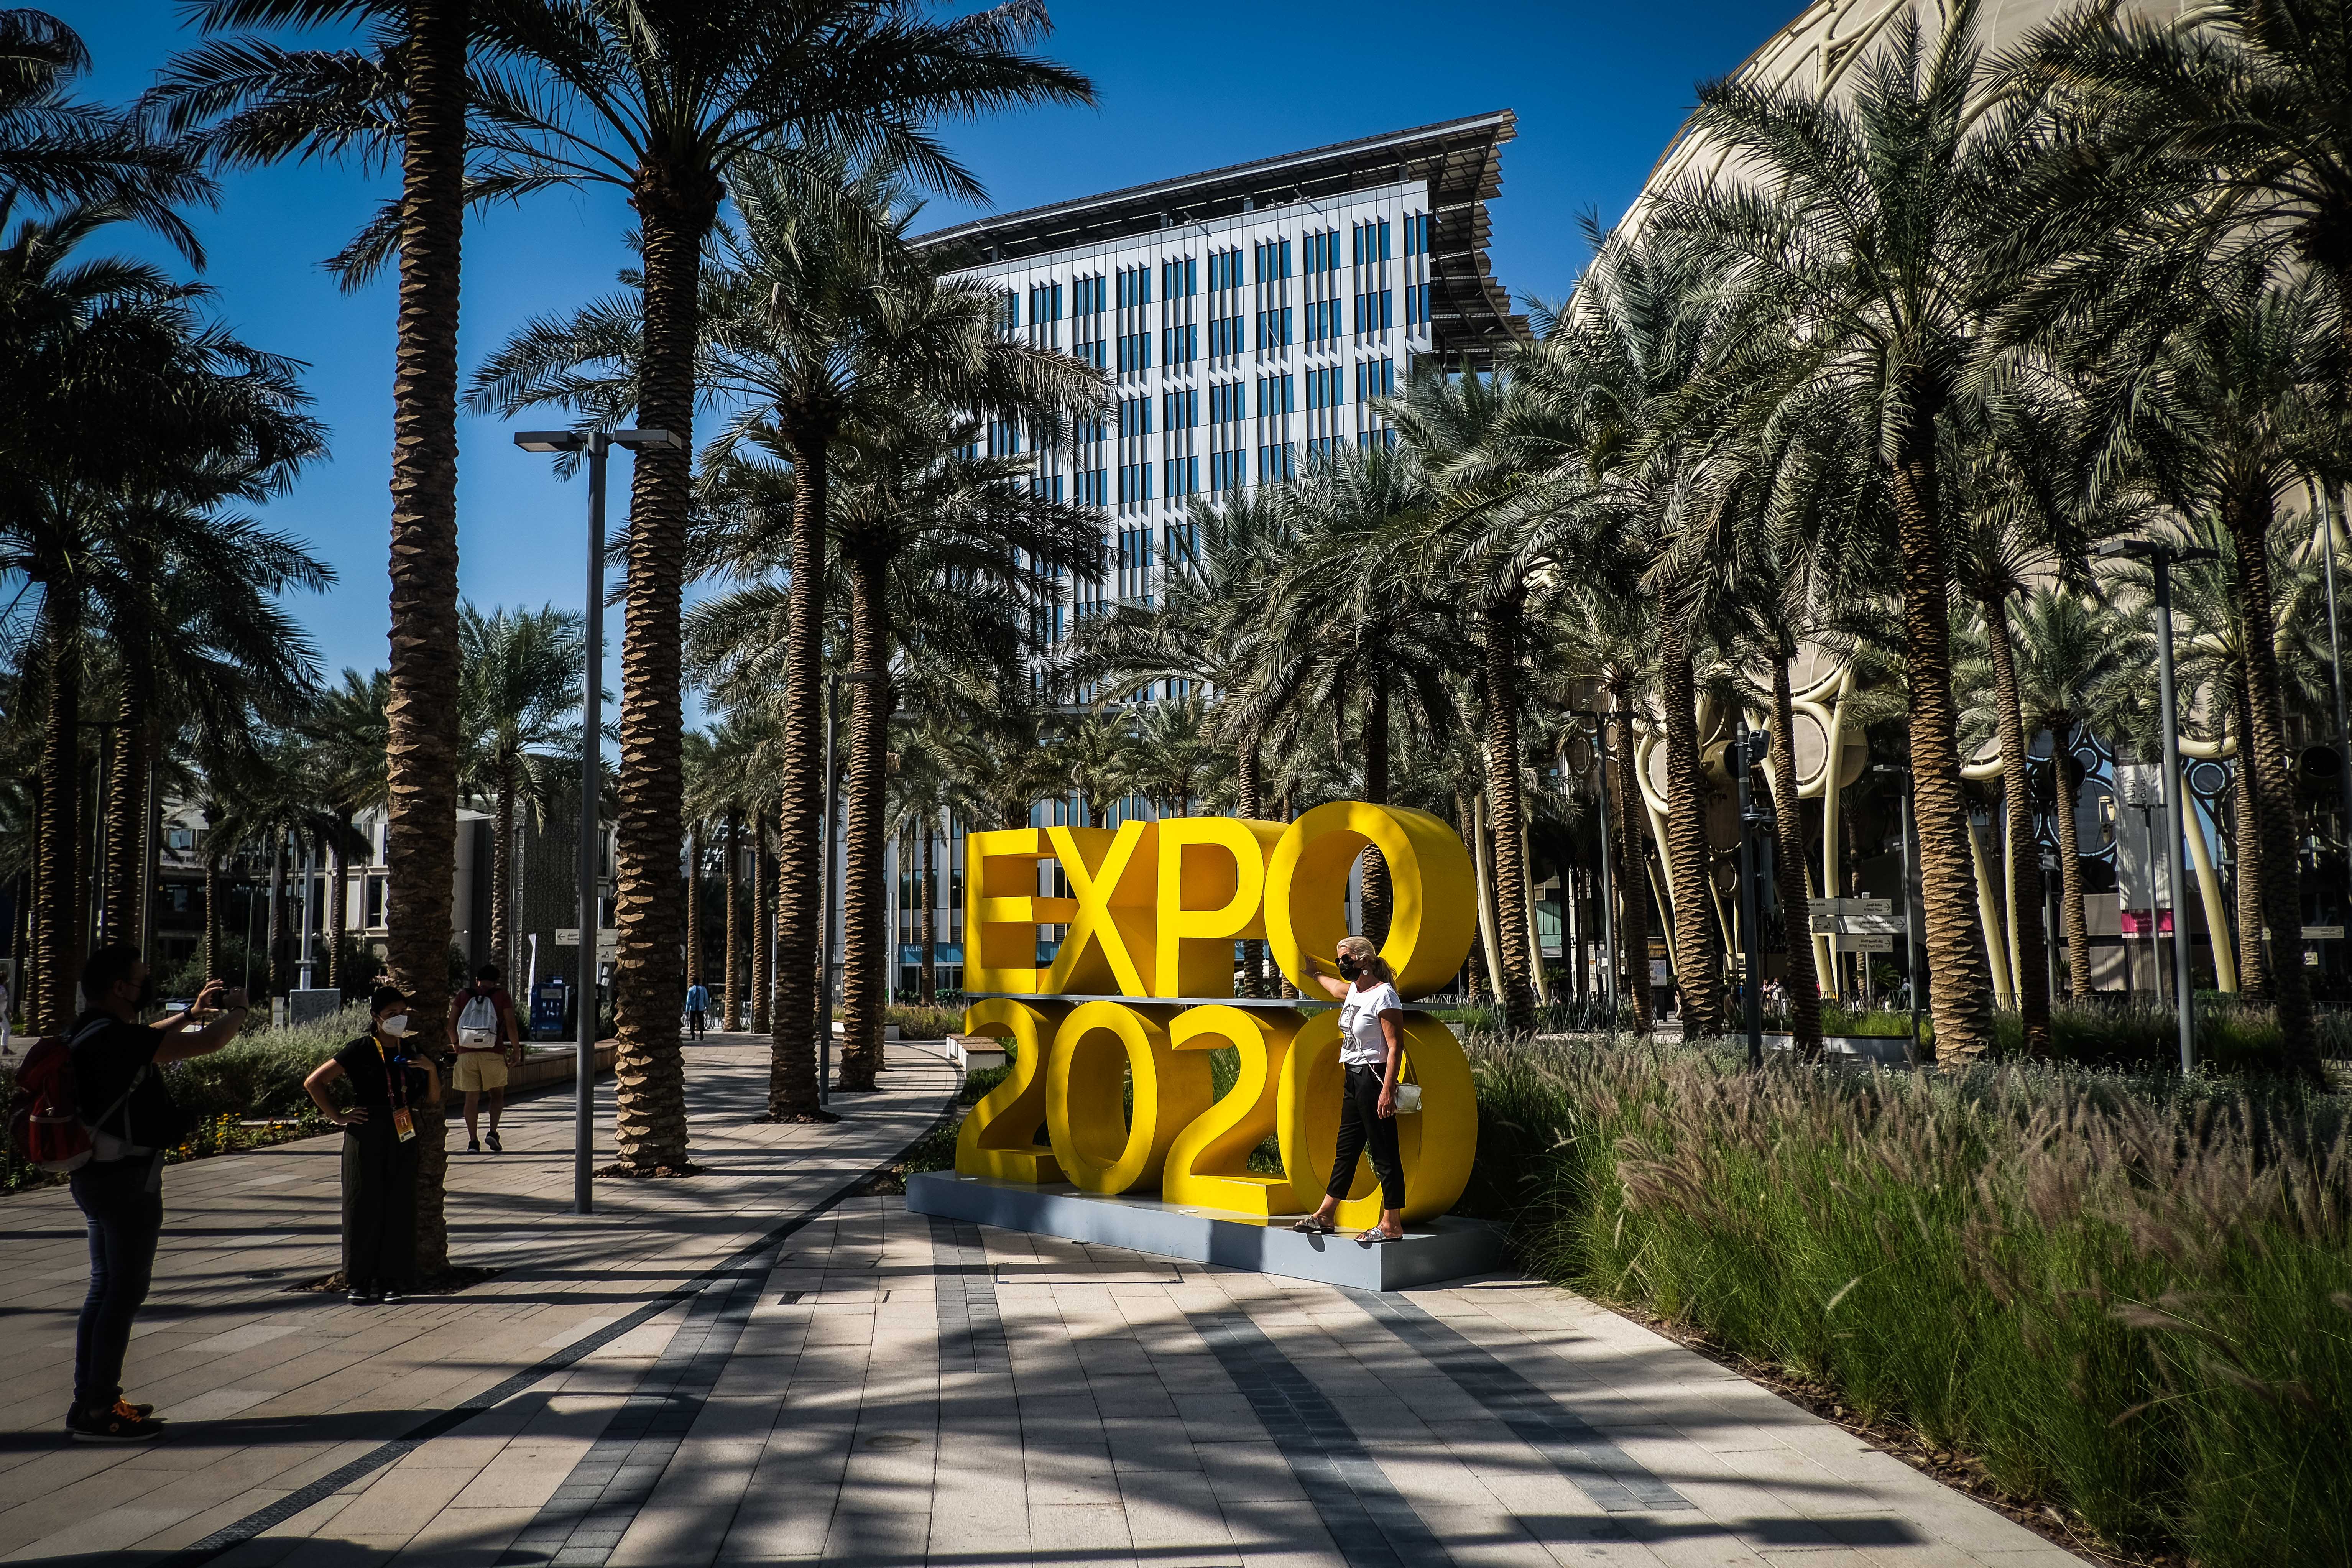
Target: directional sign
column 1873, row 943
column 608, row 939
column 1857, row 925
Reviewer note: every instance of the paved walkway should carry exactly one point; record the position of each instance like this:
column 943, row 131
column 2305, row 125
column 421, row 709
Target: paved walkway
column 720, row 1370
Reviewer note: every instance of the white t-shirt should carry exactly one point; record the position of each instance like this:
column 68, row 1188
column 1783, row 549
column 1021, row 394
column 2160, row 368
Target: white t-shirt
column 1362, row 1043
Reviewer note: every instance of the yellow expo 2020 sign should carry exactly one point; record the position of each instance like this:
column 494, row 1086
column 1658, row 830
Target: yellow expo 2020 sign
column 1141, row 985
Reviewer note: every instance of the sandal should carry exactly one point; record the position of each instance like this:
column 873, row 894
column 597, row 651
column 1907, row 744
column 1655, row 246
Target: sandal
column 1310, row 1226
column 1376, row 1237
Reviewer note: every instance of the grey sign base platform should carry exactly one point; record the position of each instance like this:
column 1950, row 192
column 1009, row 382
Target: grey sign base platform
column 1443, row 1248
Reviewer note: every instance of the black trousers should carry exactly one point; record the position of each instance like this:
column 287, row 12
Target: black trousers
column 694, row 1022
column 126, row 1220
column 1362, row 1123
column 379, row 1207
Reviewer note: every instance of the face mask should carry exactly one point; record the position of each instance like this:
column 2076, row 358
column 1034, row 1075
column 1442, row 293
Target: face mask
column 394, row 1024
column 1349, row 967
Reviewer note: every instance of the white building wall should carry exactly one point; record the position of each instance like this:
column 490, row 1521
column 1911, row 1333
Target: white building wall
column 1241, row 349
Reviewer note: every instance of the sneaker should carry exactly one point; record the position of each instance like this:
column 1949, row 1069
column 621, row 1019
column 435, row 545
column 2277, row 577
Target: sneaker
column 496, row 1147
column 141, row 1411
column 390, row 1294
column 474, row 1145
column 364, row 1296
column 110, row 1426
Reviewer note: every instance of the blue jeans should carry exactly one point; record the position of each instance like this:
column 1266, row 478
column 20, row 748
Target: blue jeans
column 126, row 1220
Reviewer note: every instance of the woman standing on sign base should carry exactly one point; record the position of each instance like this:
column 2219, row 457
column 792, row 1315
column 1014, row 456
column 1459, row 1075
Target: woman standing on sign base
column 1372, row 1049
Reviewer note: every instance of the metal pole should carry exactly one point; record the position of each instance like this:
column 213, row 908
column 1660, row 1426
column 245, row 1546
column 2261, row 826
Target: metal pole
column 1607, row 877
column 592, row 683
column 2184, row 995
column 824, row 907
column 1750, row 962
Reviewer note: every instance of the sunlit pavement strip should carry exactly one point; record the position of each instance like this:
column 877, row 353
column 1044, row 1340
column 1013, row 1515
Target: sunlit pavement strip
column 881, row 1387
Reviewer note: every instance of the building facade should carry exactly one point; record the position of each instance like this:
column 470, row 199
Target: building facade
column 1249, row 317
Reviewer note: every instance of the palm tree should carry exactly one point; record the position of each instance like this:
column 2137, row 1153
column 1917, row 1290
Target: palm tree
column 1504, row 535
column 250, row 101
column 1859, row 236
column 919, row 793
column 89, row 349
column 518, row 679
column 57, row 152
column 2222, row 388
column 349, row 734
column 1358, row 615
column 670, row 104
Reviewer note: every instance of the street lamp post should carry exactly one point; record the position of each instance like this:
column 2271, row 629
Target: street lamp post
column 2163, row 558
column 597, row 445
column 825, row 883
column 2335, row 664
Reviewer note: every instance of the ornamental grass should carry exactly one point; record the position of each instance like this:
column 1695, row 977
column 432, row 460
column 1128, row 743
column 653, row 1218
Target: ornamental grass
column 2128, row 1298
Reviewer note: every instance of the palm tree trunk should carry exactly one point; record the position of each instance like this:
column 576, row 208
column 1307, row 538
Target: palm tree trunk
column 1629, row 869
column 2248, row 518
column 212, row 918
column 1378, row 897
column 421, row 749
column 50, row 999
column 1249, row 788
column 2028, row 939
column 791, row 1070
column 763, row 921
column 1789, row 868
column 1697, row 973
column 126, row 810
column 694, row 903
column 276, row 921
column 734, row 894
column 2254, row 957
column 1500, row 670
column 2070, row 855
column 864, row 941
column 1959, row 986
column 675, row 208
column 503, row 873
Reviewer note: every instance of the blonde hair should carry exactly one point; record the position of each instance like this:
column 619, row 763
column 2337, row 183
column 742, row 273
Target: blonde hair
column 1367, row 957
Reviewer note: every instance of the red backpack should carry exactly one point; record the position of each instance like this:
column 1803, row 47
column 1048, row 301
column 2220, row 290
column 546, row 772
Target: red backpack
column 45, row 1120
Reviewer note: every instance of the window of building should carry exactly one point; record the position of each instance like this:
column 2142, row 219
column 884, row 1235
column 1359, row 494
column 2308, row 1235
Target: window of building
column 1272, row 260
column 371, row 902
column 1274, row 329
column 1176, row 276
column 1177, row 343
column 1273, row 465
column 1375, row 378
column 1372, row 242
column 1416, row 305
column 1272, row 396
column 1325, row 388
column 1179, row 410
column 1182, row 478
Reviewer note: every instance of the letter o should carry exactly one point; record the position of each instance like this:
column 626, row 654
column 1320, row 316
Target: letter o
column 1085, row 1085
column 1433, row 917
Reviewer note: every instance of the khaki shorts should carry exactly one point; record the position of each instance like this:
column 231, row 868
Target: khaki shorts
column 478, row 1070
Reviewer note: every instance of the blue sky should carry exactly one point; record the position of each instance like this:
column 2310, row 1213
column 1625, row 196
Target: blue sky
column 1599, row 90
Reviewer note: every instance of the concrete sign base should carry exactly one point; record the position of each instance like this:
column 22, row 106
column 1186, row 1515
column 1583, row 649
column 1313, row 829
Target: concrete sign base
column 1443, row 1248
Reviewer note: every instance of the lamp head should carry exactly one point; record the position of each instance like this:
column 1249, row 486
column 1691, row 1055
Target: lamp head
column 551, row 440
column 646, row 440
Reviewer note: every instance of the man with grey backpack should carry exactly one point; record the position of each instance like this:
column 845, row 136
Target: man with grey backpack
column 479, row 1017
column 118, row 1082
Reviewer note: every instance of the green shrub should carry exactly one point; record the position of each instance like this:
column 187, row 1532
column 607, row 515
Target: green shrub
column 919, row 1023
column 2128, row 1296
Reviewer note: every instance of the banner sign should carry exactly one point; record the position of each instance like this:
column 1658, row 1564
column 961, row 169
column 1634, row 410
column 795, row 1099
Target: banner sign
column 1141, row 989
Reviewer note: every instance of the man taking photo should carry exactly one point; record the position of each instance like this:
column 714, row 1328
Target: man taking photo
column 119, row 1080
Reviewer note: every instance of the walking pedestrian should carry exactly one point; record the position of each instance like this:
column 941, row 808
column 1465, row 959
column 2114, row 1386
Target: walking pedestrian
column 1372, row 1048
column 117, row 1067
column 697, row 1003
column 479, row 1017
column 387, row 1080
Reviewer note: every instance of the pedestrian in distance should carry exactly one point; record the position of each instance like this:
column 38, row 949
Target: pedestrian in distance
column 1371, row 1051
column 482, row 1024
column 697, row 1004
column 117, row 1073
column 388, row 1080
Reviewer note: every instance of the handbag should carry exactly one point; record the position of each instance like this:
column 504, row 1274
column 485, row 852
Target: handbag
column 1407, row 1093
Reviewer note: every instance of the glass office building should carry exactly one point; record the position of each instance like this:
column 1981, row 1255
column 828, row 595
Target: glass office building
column 1247, row 319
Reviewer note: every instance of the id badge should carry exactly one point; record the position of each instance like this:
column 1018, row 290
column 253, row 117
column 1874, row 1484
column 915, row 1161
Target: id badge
column 404, row 1125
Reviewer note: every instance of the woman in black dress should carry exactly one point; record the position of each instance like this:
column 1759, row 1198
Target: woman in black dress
column 379, row 1147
